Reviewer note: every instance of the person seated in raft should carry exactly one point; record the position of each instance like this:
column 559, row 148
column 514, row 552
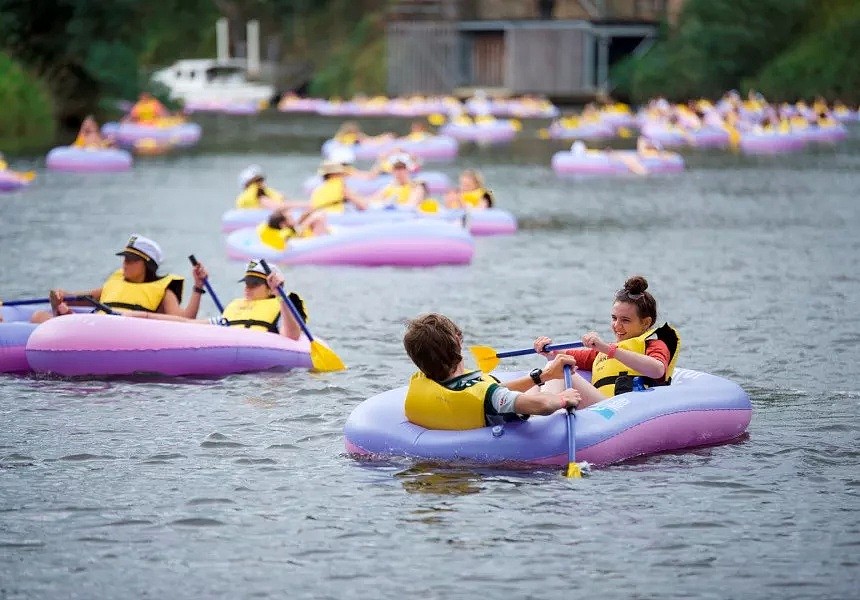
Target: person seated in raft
column 147, row 110
column 260, row 308
column 255, row 193
column 420, row 198
column 89, row 135
column 281, row 227
column 417, row 132
column 640, row 349
column 398, row 192
column 333, row 195
column 647, row 148
column 350, row 134
column 443, row 395
column 385, row 162
column 825, row 119
column 135, row 286
column 578, row 148
column 473, row 193
column 346, row 157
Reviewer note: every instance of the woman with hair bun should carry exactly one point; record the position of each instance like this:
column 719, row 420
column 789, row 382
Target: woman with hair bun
column 640, row 350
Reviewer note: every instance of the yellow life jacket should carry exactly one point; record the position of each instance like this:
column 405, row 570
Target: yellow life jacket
column 81, row 142
column 260, row 315
column 275, row 238
column 417, row 136
column 146, row 111
column 430, row 205
column 606, row 372
column 250, row 196
column 398, row 193
column 473, row 198
column 125, row 295
column 330, row 195
column 460, row 404
column 347, row 139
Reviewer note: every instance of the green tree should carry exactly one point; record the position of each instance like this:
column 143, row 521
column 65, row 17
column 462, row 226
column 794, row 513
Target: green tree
column 716, row 44
column 26, row 121
column 824, row 63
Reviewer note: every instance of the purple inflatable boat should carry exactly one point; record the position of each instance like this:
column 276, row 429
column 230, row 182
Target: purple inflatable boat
column 88, row 160
column 696, row 410
column 616, row 162
column 98, row 345
column 411, row 243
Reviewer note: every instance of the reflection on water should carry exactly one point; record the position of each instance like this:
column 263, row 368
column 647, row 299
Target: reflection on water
column 240, row 486
column 429, row 478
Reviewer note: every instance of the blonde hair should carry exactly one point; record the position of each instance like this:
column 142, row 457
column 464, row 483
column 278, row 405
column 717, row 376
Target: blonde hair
column 475, row 175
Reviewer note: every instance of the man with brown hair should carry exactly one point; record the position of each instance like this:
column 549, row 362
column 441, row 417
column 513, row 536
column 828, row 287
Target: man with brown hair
column 443, row 395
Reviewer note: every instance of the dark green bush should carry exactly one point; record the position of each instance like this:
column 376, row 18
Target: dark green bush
column 27, row 120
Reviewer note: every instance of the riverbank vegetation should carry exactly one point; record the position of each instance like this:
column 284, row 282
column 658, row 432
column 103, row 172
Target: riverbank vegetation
column 787, row 49
column 88, row 54
column 26, row 120
column 91, row 53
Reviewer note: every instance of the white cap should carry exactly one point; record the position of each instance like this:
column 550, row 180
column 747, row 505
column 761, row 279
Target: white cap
column 342, row 155
column 331, row 167
column 400, row 158
column 255, row 269
column 578, row 147
column 144, row 248
column 249, row 174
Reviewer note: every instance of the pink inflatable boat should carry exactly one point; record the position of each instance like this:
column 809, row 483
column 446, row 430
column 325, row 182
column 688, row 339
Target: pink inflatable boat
column 771, row 142
column 410, row 243
column 98, row 344
column 11, row 181
column 88, row 160
column 499, row 131
column 618, row 162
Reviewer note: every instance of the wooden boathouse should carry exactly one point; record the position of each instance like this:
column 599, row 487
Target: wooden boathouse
column 562, row 49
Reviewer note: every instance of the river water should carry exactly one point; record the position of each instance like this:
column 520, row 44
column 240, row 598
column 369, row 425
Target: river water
column 239, row 487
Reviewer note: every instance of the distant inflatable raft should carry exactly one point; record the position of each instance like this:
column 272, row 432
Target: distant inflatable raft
column 88, row 160
column 169, row 132
column 492, row 221
column 617, row 162
column 11, row 181
column 413, row 243
column 431, row 148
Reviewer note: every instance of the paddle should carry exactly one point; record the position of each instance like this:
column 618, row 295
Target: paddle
column 99, row 305
column 29, row 301
column 323, row 358
column 488, row 359
column 573, row 469
column 208, row 287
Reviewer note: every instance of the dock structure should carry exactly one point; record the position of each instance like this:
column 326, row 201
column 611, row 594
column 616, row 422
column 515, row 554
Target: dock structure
column 557, row 48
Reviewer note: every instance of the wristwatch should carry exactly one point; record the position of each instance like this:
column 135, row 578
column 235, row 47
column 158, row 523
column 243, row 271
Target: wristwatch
column 535, row 375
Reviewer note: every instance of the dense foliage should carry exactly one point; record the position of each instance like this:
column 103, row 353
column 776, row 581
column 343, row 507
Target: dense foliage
column 91, row 50
column 27, row 119
column 788, row 47
column 823, row 63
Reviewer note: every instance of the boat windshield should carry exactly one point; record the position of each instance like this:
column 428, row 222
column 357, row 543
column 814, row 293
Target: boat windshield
column 225, row 75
